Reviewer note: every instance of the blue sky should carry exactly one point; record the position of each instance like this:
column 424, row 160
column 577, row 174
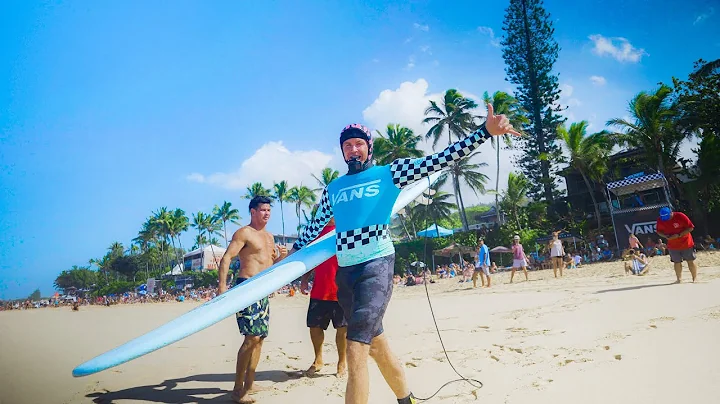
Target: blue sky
column 109, row 110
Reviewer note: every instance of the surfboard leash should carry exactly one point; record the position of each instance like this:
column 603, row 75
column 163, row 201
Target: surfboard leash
column 477, row 384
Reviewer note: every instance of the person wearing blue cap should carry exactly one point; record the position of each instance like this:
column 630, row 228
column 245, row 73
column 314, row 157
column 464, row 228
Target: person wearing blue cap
column 676, row 228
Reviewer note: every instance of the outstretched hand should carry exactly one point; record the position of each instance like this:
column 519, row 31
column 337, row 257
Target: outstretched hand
column 498, row 124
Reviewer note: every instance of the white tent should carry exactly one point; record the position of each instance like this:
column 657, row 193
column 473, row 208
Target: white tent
column 206, row 258
column 177, row 270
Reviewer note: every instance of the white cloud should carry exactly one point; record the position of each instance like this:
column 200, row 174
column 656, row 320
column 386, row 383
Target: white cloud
column 411, row 62
column 376, row 60
column 421, row 27
column 619, row 48
column 425, row 49
column 489, row 32
column 406, row 105
column 598, row 80
column 704, row 16
column 566, row 92
column 273, row 162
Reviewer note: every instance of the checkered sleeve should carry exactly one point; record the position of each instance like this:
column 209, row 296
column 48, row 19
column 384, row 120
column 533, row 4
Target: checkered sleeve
column 408, row 171
column 313, row 229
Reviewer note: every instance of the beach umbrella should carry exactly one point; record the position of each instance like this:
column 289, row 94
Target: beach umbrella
column 435, row 231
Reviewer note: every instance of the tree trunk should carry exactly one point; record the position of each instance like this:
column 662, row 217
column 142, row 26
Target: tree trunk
column 517, row 218
column 227, row 243
column 458, row 200
column 594, row 201
column 282, row 218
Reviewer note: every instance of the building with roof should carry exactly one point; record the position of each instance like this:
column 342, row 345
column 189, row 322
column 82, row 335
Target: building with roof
column 623, row 165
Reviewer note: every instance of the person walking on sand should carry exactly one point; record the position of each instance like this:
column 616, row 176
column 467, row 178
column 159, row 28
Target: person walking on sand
column 634, row 242
column 556, row 253
column 676, row 228
column 482, row 266
column 520, row 260
column 361, row 202
column 323, row 309
column 255, row 248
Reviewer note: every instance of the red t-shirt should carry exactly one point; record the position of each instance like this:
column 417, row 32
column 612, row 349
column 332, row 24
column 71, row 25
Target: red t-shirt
column 677, row 224
column 324, row 286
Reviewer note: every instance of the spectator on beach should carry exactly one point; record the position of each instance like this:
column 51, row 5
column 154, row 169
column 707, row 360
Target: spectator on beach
column 638, row 264
column 482, row 266
column 557, row 252
column 520, row 260
column 676, row 227
column 634, row 242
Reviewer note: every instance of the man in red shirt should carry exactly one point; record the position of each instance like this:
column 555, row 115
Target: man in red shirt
column 676, row 228
column 323, row 308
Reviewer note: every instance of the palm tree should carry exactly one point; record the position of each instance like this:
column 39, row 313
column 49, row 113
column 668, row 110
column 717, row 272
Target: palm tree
column 281, row 194
column 504, row 103
column 179, row 223
column 327, row 176
column 399, row 142
column 514, row 195
column 467, row 171
column 588, row 155
column 226, row 213
column 301, row 196
column 455, row 115
column 207, row 226
column 438, row 208
column 655, row 130
column 257, row 189
column 200, row 241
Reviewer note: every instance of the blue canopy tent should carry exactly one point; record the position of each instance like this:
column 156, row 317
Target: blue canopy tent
column 435, row 231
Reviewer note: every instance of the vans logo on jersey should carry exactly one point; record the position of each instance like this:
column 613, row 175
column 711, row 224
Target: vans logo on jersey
column 365, row 190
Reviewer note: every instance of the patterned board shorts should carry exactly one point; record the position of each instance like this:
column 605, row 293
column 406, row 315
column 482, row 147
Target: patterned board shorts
column 322, row 312
column 364, row 291
column 254, row 320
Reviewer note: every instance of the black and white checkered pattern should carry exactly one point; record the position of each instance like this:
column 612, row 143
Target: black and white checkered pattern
column 313, row 229
column 407, row 171
column 347, row 240
column 644, row 183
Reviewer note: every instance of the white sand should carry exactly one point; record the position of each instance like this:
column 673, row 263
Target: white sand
column 595, row 336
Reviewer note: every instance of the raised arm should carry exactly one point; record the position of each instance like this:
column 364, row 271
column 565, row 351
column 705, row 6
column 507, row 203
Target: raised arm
column 408, row 171
column 313, row 229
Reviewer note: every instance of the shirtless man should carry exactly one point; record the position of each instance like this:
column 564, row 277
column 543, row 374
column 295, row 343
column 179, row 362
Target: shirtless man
column 255, row 248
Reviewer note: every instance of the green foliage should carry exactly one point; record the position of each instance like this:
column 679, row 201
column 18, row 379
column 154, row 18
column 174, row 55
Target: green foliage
column 35, row 296
column 116, row 288
column 127, row 265
column 398, row 142
column 530, row 51
column 698, row 98
column 257, row 189
column 77, row 277
column 204, row 279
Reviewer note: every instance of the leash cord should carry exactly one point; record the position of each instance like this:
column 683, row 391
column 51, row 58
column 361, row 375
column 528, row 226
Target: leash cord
column 473, row 382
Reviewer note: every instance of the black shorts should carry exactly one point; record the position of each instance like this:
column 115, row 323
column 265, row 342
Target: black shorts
column 364, row 291
column 321, row 312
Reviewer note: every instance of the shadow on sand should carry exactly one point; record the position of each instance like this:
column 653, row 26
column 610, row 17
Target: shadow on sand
column 634, row 288
column 168, row 391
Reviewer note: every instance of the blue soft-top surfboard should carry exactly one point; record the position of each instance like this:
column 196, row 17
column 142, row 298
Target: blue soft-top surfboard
column 235, row 299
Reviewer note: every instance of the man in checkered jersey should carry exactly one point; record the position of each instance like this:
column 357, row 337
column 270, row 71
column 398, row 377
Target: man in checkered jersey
column 361, row 203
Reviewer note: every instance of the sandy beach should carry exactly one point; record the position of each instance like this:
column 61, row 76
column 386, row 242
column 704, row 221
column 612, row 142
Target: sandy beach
column 594, row 336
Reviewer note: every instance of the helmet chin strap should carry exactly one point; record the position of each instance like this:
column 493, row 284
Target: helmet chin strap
column 355, row 165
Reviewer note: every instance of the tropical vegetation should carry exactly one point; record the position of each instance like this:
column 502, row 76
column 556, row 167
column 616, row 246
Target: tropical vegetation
column 658, row 121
